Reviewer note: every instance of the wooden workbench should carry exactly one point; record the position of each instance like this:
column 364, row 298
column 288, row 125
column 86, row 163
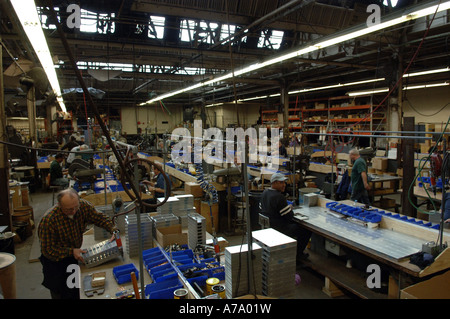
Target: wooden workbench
column 111, row 285
column 399, row 269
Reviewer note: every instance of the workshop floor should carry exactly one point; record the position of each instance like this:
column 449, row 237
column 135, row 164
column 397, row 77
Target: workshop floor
column 29, row 273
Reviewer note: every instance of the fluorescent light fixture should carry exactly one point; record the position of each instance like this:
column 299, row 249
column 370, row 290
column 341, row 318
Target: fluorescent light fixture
column 419, row 13
column 313, row 89
column 28, row 16
column 336, row 85
column 374, row 91
column 427, row 72
column 405, row 88
column 214, row 104
column 425, row 86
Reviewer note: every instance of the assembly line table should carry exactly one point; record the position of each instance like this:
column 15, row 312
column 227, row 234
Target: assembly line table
column 387, row 247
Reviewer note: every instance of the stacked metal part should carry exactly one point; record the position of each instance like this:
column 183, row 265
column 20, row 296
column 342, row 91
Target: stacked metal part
column 236, row 270
column 169, row 206
column 196, row 230
column 164, row 220
column 99, row 232
column 278, row 262
column 180, row 205
column 101, row 253
column 131, row 230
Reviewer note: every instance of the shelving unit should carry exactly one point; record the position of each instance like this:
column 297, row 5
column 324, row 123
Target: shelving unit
column 341, row 111
column 22, row 125
column 269, row 117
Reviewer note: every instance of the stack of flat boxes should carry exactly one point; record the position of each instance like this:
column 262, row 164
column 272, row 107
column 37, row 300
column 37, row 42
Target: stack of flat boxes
column 180, row 206
column 196, row 230
column 236, row 270
column 131, row 229
column 278, row 262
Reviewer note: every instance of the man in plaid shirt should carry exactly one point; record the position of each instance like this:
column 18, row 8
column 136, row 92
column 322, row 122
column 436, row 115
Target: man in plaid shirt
column 61, row 236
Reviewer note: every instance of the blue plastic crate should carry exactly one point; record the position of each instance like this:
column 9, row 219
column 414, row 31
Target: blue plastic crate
column 153, row 262
column 153, row 270
column 122, row 274
column 167, row 276
column 163, row 289
column 200, row 280
column 187, row 252
column 161, row 272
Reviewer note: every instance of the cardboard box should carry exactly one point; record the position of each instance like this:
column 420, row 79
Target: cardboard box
column 171, row 235
column 319, row 105
column 380, row 163
column 387, row 202
column 193, row 189
column 434, row 288
column 290, row 150
column 222, row 242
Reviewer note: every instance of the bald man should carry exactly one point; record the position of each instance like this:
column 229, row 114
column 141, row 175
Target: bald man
column 61, row 235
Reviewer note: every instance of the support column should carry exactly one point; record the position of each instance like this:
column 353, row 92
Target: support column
column 5, row 212
column 285, row 103
column 408, row 170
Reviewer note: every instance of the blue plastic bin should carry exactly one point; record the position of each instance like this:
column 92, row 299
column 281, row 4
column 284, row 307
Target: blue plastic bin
column 162, row 290
column 122, row 274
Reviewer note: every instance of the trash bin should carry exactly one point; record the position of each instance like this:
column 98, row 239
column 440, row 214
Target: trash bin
column 7, row 242
column 8, row 275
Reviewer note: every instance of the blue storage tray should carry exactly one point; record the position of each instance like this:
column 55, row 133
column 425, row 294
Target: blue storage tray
column 355, row 212
column 151, row 252
column 183, row 260
column 163, row 272
column 187, row 253
column 122, row 274
column 162, row 290
column 156, row 269
column 200, row 280
column 166, row 277
column 153, row 262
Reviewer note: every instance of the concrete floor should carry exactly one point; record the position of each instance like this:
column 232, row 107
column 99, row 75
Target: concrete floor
column 29, row 274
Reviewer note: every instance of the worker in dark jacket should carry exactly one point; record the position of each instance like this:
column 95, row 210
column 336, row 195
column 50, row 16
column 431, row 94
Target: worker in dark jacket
column 281, row 216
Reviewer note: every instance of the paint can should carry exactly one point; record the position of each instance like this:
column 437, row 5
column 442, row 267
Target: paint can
column 210, row 282
column 220, row 290
column 180, row 294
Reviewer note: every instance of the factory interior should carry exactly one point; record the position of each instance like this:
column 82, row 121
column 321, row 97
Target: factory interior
column 253, row 151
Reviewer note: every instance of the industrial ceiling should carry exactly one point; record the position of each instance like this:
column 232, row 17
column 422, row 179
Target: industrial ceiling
column 128, row 57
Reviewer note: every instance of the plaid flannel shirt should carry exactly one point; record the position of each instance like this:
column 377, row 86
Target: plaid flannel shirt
column 59, row 234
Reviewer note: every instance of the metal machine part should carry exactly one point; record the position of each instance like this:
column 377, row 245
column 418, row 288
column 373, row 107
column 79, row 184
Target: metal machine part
column 101, row 253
